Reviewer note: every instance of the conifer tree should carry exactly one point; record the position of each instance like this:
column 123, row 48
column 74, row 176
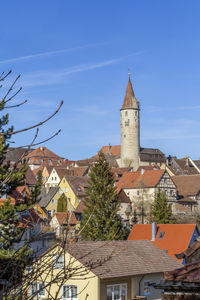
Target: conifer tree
column 62, row 203
column 37, row 188
column 161, row 211
column 100, row 219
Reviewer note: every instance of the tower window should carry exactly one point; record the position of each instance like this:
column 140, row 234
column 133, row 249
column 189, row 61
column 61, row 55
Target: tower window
column 135, row 113
column 127, row 122
column 126, row 113
column 124, row 135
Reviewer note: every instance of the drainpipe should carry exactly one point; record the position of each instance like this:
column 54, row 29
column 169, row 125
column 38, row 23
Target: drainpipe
column 140, row 284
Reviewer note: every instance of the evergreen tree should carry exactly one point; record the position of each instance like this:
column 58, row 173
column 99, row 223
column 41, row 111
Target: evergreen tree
column 37, row 189
column 62, row 203
column 100, row 219
column 161, row 211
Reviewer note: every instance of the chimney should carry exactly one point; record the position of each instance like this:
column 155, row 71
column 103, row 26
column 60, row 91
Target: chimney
column 142, row 171
column 154, row 231
column 109, row 149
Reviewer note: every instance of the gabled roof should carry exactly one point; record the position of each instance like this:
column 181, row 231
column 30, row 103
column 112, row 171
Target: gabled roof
column 132, row 180
column 175, row 240
column 187, row 185
column 80, row 171
column 46, row 198
column 78, row 184
column 43, row 152
column 182, row 166
column 80, row 208
column 65, row 218
column 30, row 177
column 63, row 171
column 15, row 154
column 122, row 258
column 130, row 100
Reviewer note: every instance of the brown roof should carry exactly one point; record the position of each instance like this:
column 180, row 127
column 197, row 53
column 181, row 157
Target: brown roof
column 30, row 177
column 15, row 154
column 80, row 208
column 86, row 162
column 122, row 258
column 65, row 218
column 130, row 100
column 131, row 180
column 80, row 171
column 181, row 166
column 188, row 273
column 63, row 171
column 78, row 184
column 123, row 197
column 187, row 185
column 190, row 250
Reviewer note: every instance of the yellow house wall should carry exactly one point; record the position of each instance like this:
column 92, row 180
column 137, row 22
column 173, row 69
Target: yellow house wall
column 45, row 174
column 69, row 193
column 133, row 284
column 53, row 206
column 88, row 286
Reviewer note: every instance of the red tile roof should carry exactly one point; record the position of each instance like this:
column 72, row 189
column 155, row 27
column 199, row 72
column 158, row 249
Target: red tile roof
column 114, row 150
column 175, row 240
column 131, row 180
column 65, row 217
column 2, row 201
column 188, row 273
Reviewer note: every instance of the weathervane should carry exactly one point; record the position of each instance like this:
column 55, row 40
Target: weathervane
column 129, row 73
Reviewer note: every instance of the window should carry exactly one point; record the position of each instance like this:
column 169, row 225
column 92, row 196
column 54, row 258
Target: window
column 126, row 113
column 55, row 178
column 41, row 160
column 60, row 191
column 138, row 193
column 66, row 189
column 117, row 292
column 70, row 292
column 49, row 213
column 147, row 287
column 59, row 261
column 37, row 289
column 127, row 122
column 53, row 200
column 161, row 235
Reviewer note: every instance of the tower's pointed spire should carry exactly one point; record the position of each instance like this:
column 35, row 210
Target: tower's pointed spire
column 130, row 100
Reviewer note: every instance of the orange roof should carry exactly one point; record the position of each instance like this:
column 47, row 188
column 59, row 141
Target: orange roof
column 131, row 180
column 42, row 152
column 2, row 201
column 175, row 240
column 65, row 217
column 114, row 150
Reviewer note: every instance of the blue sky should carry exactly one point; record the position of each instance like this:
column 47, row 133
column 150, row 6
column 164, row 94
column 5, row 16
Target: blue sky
column 80, row 51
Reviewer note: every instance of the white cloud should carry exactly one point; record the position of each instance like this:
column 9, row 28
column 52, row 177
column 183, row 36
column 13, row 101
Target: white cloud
column 58, row 76
column 48, row 53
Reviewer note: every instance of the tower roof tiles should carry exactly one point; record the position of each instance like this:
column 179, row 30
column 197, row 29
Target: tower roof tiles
column 130, row 100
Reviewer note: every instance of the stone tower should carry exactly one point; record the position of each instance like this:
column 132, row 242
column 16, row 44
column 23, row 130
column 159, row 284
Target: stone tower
column 130, row 129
